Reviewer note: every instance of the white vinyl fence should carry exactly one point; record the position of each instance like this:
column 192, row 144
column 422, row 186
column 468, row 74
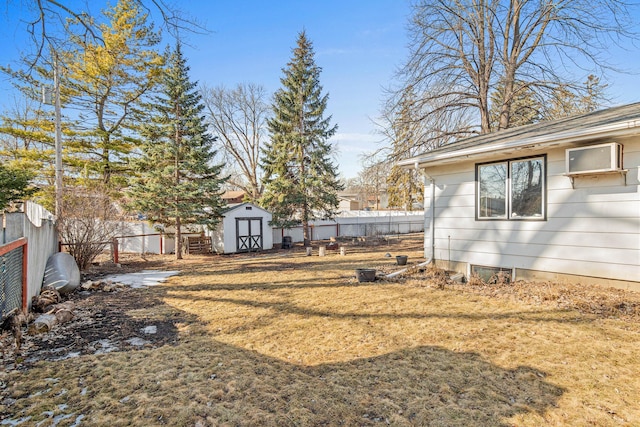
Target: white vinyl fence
column 140, row 237
column 357, row 224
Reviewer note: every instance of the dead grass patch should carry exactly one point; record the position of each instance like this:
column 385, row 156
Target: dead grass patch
column 308, row 345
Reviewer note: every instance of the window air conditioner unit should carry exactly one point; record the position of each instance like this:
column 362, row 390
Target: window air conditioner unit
column 594, row 159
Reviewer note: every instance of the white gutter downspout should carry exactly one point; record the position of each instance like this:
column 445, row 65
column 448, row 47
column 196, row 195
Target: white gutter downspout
column 432, row 226
column 430, row 259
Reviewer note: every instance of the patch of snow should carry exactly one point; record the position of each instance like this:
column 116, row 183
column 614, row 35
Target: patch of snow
column 56, row 420
column 152, row 329
column 77, row 423
column 142, row 278
column 39, row 393
column 137, row 342
column 14, row 422
column 71, row 355
column 105, row 347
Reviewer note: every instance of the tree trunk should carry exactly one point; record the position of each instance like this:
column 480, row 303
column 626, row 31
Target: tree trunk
column 485, row 115
column 178, row 141
column 511, row 52
column 178, row 239
column 505, row 109
column 305, row 226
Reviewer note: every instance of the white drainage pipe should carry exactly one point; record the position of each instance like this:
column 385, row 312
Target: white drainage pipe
column 404, row 270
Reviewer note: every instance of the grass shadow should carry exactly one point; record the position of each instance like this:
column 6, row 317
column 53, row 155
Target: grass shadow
column 201, row 380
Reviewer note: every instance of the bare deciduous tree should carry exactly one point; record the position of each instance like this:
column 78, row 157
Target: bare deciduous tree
column 373, row 179
column 412, row 127
column 238, row 118
column 46, row 19
column 461, row 49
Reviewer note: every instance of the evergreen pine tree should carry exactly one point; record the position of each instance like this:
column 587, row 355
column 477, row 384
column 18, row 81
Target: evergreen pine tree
column 526, row 107
column 178, row 183
column 301, row 181
column 14, row 185
column 404, row 186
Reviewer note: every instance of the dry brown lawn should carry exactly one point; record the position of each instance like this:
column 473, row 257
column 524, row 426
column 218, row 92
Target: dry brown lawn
column 282, row 339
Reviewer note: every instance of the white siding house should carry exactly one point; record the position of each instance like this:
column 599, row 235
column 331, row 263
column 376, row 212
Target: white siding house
column 523, row 200
column 244, row 228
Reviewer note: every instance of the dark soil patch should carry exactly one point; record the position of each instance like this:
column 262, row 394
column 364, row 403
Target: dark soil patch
column 100, row 325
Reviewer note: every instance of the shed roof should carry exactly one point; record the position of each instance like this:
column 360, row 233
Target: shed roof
column 612, row 122
column 233, row 206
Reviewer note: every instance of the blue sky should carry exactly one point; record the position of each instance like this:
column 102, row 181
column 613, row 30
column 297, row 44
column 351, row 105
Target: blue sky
column 358, row 45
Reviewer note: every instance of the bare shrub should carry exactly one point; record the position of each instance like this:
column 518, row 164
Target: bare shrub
column 89, row 223
column 476, row 280
column 500, row 278
column 438, row 276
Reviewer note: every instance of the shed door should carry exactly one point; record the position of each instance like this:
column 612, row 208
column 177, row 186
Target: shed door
column 248, row 234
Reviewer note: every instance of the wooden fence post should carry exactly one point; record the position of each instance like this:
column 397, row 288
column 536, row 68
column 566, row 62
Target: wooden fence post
column 114, row 247
column 25, row 283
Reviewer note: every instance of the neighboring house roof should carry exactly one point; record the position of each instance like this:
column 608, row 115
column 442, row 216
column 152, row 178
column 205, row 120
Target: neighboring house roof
column 352, row 197
column 232, row 194
column 234, row 206
column 612, row 122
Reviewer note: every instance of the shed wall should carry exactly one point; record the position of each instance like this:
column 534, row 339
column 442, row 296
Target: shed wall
column 224, row 238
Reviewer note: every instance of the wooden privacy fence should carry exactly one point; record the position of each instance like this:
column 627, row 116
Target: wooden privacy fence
column 13, row 277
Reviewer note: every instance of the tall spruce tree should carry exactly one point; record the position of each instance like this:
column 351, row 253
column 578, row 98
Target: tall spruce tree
column 301, row 181
column 178, row 182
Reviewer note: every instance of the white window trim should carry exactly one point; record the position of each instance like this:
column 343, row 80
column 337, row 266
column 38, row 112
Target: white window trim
column 509, row 196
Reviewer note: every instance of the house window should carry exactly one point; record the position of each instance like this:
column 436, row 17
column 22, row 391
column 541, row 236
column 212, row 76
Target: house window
column 511, row 190
column 492, row 275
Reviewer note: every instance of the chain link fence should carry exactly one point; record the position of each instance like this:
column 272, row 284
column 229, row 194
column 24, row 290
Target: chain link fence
column 11, row 279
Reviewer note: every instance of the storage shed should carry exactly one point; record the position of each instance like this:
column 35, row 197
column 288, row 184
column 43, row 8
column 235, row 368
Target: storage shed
column 244, row 228
column 557, row 200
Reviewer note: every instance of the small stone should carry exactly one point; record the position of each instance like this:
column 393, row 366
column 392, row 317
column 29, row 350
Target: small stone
column 87, row 285
column 64, row 316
